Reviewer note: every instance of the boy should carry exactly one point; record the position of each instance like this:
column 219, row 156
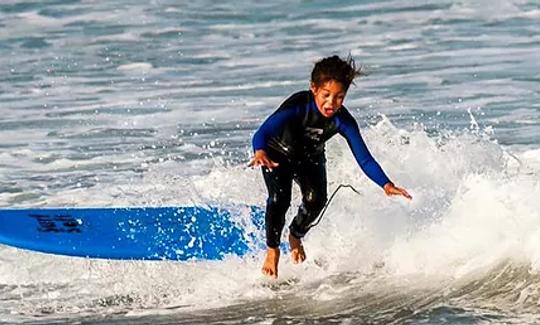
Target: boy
column 289, row 146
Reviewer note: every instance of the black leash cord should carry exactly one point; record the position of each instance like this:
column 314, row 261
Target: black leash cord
column 321, row 214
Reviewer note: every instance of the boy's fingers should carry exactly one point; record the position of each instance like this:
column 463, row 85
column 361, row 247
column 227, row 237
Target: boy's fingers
column 254, row 162
column 404, row 193
column 398, row 191
column 269, row 163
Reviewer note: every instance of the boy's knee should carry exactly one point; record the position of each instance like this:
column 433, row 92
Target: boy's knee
column 279, row 201
column 314, row 201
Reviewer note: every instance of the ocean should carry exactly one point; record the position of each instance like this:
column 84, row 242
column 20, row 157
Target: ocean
column 154, row 103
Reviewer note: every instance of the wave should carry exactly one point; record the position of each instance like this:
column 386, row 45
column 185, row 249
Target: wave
column 467, row 240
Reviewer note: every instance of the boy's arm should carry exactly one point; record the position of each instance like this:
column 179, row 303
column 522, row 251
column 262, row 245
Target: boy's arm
column 350, row 131
column 271, row 127
column 371, row 168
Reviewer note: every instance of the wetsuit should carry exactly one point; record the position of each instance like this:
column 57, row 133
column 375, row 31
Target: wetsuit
column 294, row 136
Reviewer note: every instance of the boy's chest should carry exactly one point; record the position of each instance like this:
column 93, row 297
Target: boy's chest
column 318, row 129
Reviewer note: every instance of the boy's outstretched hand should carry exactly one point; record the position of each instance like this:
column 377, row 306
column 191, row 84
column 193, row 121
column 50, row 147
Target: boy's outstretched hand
column 262, row 159
column 391, row 189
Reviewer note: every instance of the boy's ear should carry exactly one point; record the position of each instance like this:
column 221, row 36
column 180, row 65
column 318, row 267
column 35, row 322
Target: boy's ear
column 313, row 87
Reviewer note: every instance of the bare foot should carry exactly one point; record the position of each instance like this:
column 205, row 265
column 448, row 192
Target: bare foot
column 298, row 254
column 270, row 266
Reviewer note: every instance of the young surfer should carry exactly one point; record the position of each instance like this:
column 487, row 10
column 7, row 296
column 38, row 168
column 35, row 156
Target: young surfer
column 290, row 144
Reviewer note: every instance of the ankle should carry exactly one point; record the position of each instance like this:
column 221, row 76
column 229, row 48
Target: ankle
column 294, row 239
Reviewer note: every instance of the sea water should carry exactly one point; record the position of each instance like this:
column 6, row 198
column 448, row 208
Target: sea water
column 151, row 103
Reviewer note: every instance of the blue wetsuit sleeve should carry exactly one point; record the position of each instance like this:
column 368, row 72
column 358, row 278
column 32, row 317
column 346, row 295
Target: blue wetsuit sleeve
column 271, row 127
column 350, row 131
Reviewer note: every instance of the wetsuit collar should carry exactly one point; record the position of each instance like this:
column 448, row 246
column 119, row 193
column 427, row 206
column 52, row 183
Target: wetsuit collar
column 313, row 105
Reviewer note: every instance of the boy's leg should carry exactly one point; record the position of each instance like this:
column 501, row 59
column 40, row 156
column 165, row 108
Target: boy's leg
column 311, row 176
column 278, row 182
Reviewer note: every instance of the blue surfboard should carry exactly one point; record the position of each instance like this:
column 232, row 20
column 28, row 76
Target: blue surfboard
column 142, row 233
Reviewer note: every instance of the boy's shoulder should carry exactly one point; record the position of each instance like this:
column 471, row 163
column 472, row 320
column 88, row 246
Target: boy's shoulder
column 345, row 117
column 343, row 113
column 297, row 99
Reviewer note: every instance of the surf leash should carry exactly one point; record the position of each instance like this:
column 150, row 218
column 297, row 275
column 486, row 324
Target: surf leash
column 321, row 214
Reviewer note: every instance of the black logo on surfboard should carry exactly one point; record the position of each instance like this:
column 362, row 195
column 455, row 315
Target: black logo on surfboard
column 57, row 223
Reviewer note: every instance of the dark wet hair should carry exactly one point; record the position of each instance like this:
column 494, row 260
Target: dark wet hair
column 335, row 68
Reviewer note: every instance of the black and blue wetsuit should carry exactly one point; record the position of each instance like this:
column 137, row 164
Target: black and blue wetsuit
column 294, row 136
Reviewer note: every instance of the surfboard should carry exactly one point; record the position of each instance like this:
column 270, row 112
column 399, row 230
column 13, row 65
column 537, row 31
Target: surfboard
column 138, row 233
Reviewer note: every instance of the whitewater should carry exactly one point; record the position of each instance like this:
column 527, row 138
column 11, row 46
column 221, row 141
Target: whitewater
column 154, row 104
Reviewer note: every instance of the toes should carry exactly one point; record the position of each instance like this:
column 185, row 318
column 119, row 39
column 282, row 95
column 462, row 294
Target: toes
column 298, row 256
column 269, row 272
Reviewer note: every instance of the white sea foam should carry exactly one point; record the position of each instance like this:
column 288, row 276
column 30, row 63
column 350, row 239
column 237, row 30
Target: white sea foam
column 33, row 18
column 136, row 67
column 472, row 208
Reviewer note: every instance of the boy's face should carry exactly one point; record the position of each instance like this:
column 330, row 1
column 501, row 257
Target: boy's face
column 328, row 97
